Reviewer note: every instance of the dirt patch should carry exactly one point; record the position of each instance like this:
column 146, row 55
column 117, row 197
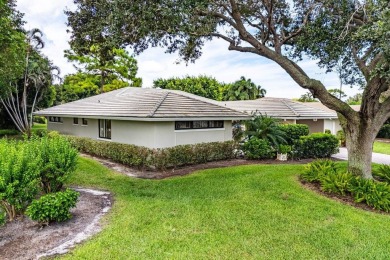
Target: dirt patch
column 133, row 172
column 24, row 239
column 316, row 187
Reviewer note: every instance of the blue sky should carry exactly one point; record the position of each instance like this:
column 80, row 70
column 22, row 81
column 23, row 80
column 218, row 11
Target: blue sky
column 217, row 61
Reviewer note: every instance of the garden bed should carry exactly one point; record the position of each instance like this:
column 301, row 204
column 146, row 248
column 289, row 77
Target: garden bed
column 348, row 200
column 25, row 239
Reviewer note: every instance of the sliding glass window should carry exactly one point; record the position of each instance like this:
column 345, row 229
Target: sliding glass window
column 105, row 128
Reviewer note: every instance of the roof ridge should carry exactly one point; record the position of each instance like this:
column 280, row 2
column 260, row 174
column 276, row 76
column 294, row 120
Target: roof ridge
column 290, row 107
column 216, row 103
column 158, row 104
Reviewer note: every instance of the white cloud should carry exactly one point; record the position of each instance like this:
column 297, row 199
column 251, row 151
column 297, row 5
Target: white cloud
column 216, row 61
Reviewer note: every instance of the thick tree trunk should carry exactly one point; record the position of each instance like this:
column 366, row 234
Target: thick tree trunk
column 360, row 138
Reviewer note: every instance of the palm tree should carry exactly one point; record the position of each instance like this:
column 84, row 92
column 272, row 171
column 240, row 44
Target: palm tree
column 244, row 89
column 37, row 74
column 267, row 128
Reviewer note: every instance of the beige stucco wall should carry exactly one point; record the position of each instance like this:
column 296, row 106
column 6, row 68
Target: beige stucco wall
column 149, row 134
column 67, row 127
column 314, row 126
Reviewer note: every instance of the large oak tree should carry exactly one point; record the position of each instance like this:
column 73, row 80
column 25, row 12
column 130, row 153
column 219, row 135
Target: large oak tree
column 353, row 33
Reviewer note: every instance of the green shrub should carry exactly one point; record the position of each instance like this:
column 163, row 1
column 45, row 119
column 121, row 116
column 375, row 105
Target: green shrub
column 53, row 207
column 256, row 148
column 267, row 128
column 315, row 171
column 19, row 173
column 327, row 131
column 374, row 194
column 58, row 159
column 39, row 119
column 384, row 132
column 155, row 159
column 316, row 145
column 341, row 137
column 284, row 148
column 40, row 132
column 337, row 182
column 294, row 132
column 383, row 173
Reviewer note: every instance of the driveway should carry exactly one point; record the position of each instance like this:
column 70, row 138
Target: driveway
column 376, row 157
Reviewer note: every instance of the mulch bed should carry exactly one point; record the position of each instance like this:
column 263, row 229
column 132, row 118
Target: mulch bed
column 348, row 200
column 25, row 239
column 144, row 174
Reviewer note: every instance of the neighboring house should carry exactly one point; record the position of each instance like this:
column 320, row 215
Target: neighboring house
column 293, row 112
column 147, row 117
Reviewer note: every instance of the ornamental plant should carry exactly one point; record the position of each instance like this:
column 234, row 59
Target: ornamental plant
column 58, row 161
column 19, row 172
column 53, row 207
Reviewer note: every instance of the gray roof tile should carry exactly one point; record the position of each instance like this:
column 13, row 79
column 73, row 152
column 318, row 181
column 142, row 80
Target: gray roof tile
column 280, row 108
column 145, row 103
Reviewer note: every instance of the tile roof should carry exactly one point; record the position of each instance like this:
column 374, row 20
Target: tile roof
column 144, row 103
column 280, row 108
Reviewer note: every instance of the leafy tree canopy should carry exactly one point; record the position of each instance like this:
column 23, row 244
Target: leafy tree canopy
column 13, row 45
column 244, row 89
column 307, row 97
column 203, row 86
column 121, row 67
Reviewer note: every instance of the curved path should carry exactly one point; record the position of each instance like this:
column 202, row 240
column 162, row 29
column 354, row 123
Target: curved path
column 376, row 157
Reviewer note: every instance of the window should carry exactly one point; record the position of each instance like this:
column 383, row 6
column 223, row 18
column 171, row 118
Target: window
column 84, row 121
column 183, row 125
column 75, row 121
column 105, row 128
column 56, row 119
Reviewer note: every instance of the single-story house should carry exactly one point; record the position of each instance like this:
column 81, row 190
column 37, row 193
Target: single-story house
column 153, row 118
column 289, row 111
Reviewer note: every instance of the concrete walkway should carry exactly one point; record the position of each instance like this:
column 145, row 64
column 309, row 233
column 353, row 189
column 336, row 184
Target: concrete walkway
column 376, row 157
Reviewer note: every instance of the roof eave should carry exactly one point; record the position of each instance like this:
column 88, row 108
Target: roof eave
column 154, row 119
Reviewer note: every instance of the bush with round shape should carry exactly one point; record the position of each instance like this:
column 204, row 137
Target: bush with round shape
column 58, row 159
column 53, row 207
column 294, row 131
column 256, row 148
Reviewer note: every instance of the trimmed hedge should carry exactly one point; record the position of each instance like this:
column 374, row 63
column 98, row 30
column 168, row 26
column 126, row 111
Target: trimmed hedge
column 294, row 132
column 317, row 145
column 8, row 132
column 155, row 159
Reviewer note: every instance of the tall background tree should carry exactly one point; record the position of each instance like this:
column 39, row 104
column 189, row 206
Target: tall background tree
column 209, row 87
column 96, row 74
column 25, row 74
column 244, row 89
column 353, row 33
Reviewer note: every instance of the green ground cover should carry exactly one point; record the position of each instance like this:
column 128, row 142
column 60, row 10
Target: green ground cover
column 381, row 147
column 245, row 212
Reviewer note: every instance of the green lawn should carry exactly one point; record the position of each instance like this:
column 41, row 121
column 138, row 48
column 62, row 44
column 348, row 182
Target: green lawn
column 381, row 147
column 241, row 212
